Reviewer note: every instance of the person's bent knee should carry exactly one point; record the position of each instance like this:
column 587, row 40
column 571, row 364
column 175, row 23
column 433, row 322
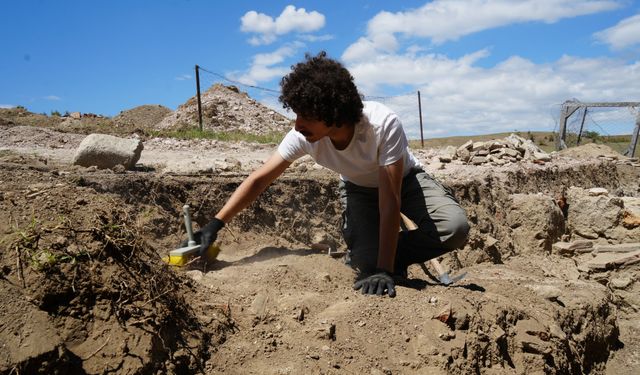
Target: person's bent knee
column 458, row 228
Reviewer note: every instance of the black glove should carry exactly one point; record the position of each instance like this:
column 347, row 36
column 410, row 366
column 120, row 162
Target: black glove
column 206, row 236
column 377, row 283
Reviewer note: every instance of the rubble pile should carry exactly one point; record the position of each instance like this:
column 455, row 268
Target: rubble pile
column 511, row 149
column 225, row 108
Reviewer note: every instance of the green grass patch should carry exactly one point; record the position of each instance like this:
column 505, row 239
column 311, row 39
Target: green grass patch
column 228, row 136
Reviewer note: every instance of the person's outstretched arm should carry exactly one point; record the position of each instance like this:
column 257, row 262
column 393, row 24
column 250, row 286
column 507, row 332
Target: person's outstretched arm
column 252, row 186
column 246, row 193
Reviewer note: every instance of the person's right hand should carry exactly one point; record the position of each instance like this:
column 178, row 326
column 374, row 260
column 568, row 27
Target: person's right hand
column 379, row 283
column 206, row 236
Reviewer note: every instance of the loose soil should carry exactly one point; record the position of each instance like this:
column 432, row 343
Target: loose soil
column 85, row 290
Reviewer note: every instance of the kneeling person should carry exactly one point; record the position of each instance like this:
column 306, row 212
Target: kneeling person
column 380, row 178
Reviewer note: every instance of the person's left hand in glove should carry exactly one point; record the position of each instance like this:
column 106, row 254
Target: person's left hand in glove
column 379, row 283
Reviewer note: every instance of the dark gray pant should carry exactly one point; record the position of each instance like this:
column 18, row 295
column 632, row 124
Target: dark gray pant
column 442, row 223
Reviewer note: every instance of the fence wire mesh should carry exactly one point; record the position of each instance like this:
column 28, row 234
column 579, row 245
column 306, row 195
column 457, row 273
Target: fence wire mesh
column 613, row 125
column 588, row 124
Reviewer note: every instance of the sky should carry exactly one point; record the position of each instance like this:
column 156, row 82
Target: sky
column 481, row 66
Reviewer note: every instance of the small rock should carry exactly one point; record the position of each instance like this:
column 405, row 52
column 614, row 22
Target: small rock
column 301, row 313
column 326, row 331
column 620, row 283
column 477, row 160
column 478, row 146
column 556, row 331
column 548, row 292
column 195, row 274
column 598, row 191
column 437, row 166
column 497, row 333
column 542, row 156
column 490, row 242
column 445, row 315
column 466, row 146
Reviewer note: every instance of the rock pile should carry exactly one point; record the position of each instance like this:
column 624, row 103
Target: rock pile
column 225, row 108
column 511, row 149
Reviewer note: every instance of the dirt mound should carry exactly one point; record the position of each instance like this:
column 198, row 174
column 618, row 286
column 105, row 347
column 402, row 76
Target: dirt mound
column 21, row 116
column 83, row 292
column 591, row 150
column 225, row 108
column 143, row 117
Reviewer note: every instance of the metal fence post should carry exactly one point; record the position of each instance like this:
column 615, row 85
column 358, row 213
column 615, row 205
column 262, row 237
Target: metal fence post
column 420, row 112
column 634, row 138
column 198, row 93
column 584, row 116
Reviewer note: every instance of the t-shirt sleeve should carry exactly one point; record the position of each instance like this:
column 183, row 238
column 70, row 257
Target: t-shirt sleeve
column 292, row 147
column 393, row 144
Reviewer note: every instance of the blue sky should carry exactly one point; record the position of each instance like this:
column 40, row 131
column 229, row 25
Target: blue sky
column 482, row 66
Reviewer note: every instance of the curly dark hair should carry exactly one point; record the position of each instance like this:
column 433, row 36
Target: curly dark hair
column 320, row 88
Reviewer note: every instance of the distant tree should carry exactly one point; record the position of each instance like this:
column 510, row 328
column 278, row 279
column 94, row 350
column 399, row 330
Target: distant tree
column 55, row 113
column 593, row 135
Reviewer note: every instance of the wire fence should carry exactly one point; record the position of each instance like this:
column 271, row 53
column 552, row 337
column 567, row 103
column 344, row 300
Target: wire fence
column 405, row 105
column 601, row 121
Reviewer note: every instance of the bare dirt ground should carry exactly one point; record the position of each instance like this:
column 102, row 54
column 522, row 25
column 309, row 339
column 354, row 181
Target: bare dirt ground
column 84, row 289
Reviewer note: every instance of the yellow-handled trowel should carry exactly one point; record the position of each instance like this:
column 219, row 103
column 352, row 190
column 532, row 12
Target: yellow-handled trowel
column 184, row 255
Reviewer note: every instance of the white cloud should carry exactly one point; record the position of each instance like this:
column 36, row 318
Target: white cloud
column 362, row 49
column 444, row 20
column 184, row 77
column 254, row 22
column 6, row 106
column 624, row 34
column 264, row 65
column 460, row 97
column 290, row 20
column 52, row 97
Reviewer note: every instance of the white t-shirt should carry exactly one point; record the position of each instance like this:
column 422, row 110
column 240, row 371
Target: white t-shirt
column 378, row 140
